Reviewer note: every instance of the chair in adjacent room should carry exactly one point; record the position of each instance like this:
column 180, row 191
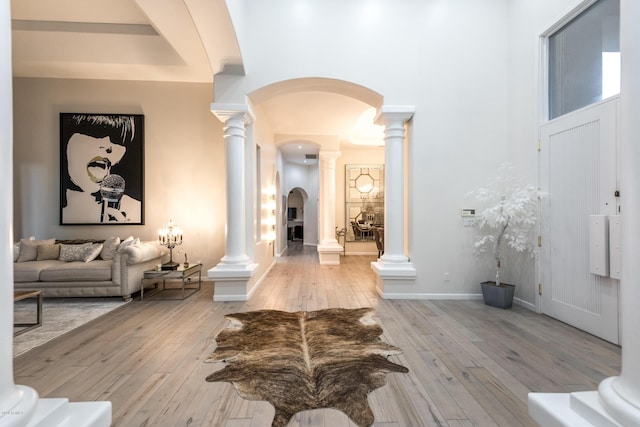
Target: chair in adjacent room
column 364, row 230
column 378, row 235
column 356, row 230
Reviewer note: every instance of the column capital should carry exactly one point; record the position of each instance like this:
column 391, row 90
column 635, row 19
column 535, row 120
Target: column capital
column 393, row 113
column 225, row 112
column 329, row 154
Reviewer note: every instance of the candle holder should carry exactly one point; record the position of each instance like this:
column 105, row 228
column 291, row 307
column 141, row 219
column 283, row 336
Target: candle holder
column 170, row 236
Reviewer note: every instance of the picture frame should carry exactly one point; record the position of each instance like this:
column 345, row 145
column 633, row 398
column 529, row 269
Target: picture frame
column 101, row 169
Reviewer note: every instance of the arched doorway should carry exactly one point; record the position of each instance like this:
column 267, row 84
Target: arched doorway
column 296, row 201
column 328, row 115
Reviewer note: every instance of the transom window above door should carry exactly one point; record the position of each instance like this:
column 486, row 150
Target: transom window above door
column 584, row 58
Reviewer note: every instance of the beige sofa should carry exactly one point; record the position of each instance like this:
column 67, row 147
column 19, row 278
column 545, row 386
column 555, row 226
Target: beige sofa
column 115, row 270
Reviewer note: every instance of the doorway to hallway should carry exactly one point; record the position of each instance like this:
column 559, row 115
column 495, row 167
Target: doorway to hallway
column 295, row 215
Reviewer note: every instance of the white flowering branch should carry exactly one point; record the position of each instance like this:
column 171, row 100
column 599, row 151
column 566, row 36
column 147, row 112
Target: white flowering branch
column 510, row 217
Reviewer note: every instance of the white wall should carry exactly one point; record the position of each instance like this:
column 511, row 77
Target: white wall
column 470, row 69
column 264, row 249
column 447, row 58
column 528, row 20
column 184, row 159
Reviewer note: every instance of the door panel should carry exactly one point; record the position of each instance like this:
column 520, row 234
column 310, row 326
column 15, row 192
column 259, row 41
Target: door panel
column 578, row 170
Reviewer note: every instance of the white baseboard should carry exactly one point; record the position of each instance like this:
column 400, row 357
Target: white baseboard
column 525, row 304
column 388, row 295
column 261, row 279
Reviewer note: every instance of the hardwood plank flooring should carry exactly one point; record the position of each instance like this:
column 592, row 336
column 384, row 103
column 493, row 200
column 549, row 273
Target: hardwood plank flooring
column 469, row 364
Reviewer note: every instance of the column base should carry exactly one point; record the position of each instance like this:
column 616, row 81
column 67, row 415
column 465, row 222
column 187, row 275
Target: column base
column 393, row 278
column 57, row 413
column 329, row 253
column 603, row 408
column 626, row 413
column 231, row 282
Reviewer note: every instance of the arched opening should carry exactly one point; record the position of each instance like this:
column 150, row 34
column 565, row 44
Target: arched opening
column 309, row 116
column 296, row 201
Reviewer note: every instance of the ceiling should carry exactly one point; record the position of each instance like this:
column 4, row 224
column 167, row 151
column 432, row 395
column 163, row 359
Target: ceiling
column 174, row 41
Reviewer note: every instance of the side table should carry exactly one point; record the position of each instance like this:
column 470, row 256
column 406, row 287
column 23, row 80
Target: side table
column 183, row 274
column 20, row 295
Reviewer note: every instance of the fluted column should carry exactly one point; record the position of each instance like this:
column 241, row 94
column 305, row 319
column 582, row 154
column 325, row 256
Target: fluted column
column 393, row 268
column 329, row 249
column 617, row 401
column 233, row 272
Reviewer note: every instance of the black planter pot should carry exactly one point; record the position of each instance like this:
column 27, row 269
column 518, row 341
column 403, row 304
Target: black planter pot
column 498, row 296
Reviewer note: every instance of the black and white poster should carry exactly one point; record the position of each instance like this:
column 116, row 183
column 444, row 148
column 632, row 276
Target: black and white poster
column 101, row 169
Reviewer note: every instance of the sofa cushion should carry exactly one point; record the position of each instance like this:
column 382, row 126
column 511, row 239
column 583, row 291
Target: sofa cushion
column 85, row 252
column 110, row 247
column 29, row 271
column 46, row 252
column 29, row 249
column 77, row 271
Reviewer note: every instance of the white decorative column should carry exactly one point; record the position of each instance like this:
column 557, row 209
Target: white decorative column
column 232, row 274
column 20, row 405
column 617, row 401
column 394, row 268
column 329, row 249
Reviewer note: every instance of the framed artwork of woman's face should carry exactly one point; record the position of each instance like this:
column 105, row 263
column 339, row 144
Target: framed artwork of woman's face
column 101, row 169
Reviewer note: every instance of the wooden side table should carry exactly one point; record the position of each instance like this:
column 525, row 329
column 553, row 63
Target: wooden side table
column 20, row 295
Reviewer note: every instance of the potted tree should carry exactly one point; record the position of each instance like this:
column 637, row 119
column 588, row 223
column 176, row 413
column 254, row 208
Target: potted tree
column 509, row 216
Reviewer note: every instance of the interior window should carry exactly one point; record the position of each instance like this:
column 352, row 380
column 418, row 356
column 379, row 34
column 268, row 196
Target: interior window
column 584, row 59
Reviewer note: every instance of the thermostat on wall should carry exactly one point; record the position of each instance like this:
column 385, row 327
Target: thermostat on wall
column 468, row 212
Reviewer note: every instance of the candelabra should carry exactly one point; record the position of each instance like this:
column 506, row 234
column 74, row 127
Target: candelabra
column 170, row 236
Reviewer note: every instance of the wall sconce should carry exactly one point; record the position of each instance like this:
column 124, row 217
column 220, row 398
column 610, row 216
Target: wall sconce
column 271, row 216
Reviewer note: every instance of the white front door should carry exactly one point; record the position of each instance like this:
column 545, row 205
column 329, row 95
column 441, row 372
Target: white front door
column 578, row 170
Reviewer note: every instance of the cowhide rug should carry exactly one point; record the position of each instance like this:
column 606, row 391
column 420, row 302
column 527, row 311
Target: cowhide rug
column 306, row 360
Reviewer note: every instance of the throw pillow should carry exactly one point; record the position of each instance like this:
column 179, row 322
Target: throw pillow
column 72, row 252
column 91, row 251
column 48, row 252
column 109, row 248
column 16, row 248
column 29, row 249
column 128, row 242
column 16, row 251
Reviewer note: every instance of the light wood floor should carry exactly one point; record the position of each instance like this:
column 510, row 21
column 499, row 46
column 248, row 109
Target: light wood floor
column 470, row 365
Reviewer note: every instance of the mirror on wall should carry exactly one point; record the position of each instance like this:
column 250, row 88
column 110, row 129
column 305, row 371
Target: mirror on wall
column 364, row 194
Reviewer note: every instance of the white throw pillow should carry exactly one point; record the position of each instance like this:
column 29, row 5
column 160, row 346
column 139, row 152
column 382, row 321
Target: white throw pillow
column 16, row 248
column 126, row 242
column 109, row 248
column 92, row 251
column 16, row 251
